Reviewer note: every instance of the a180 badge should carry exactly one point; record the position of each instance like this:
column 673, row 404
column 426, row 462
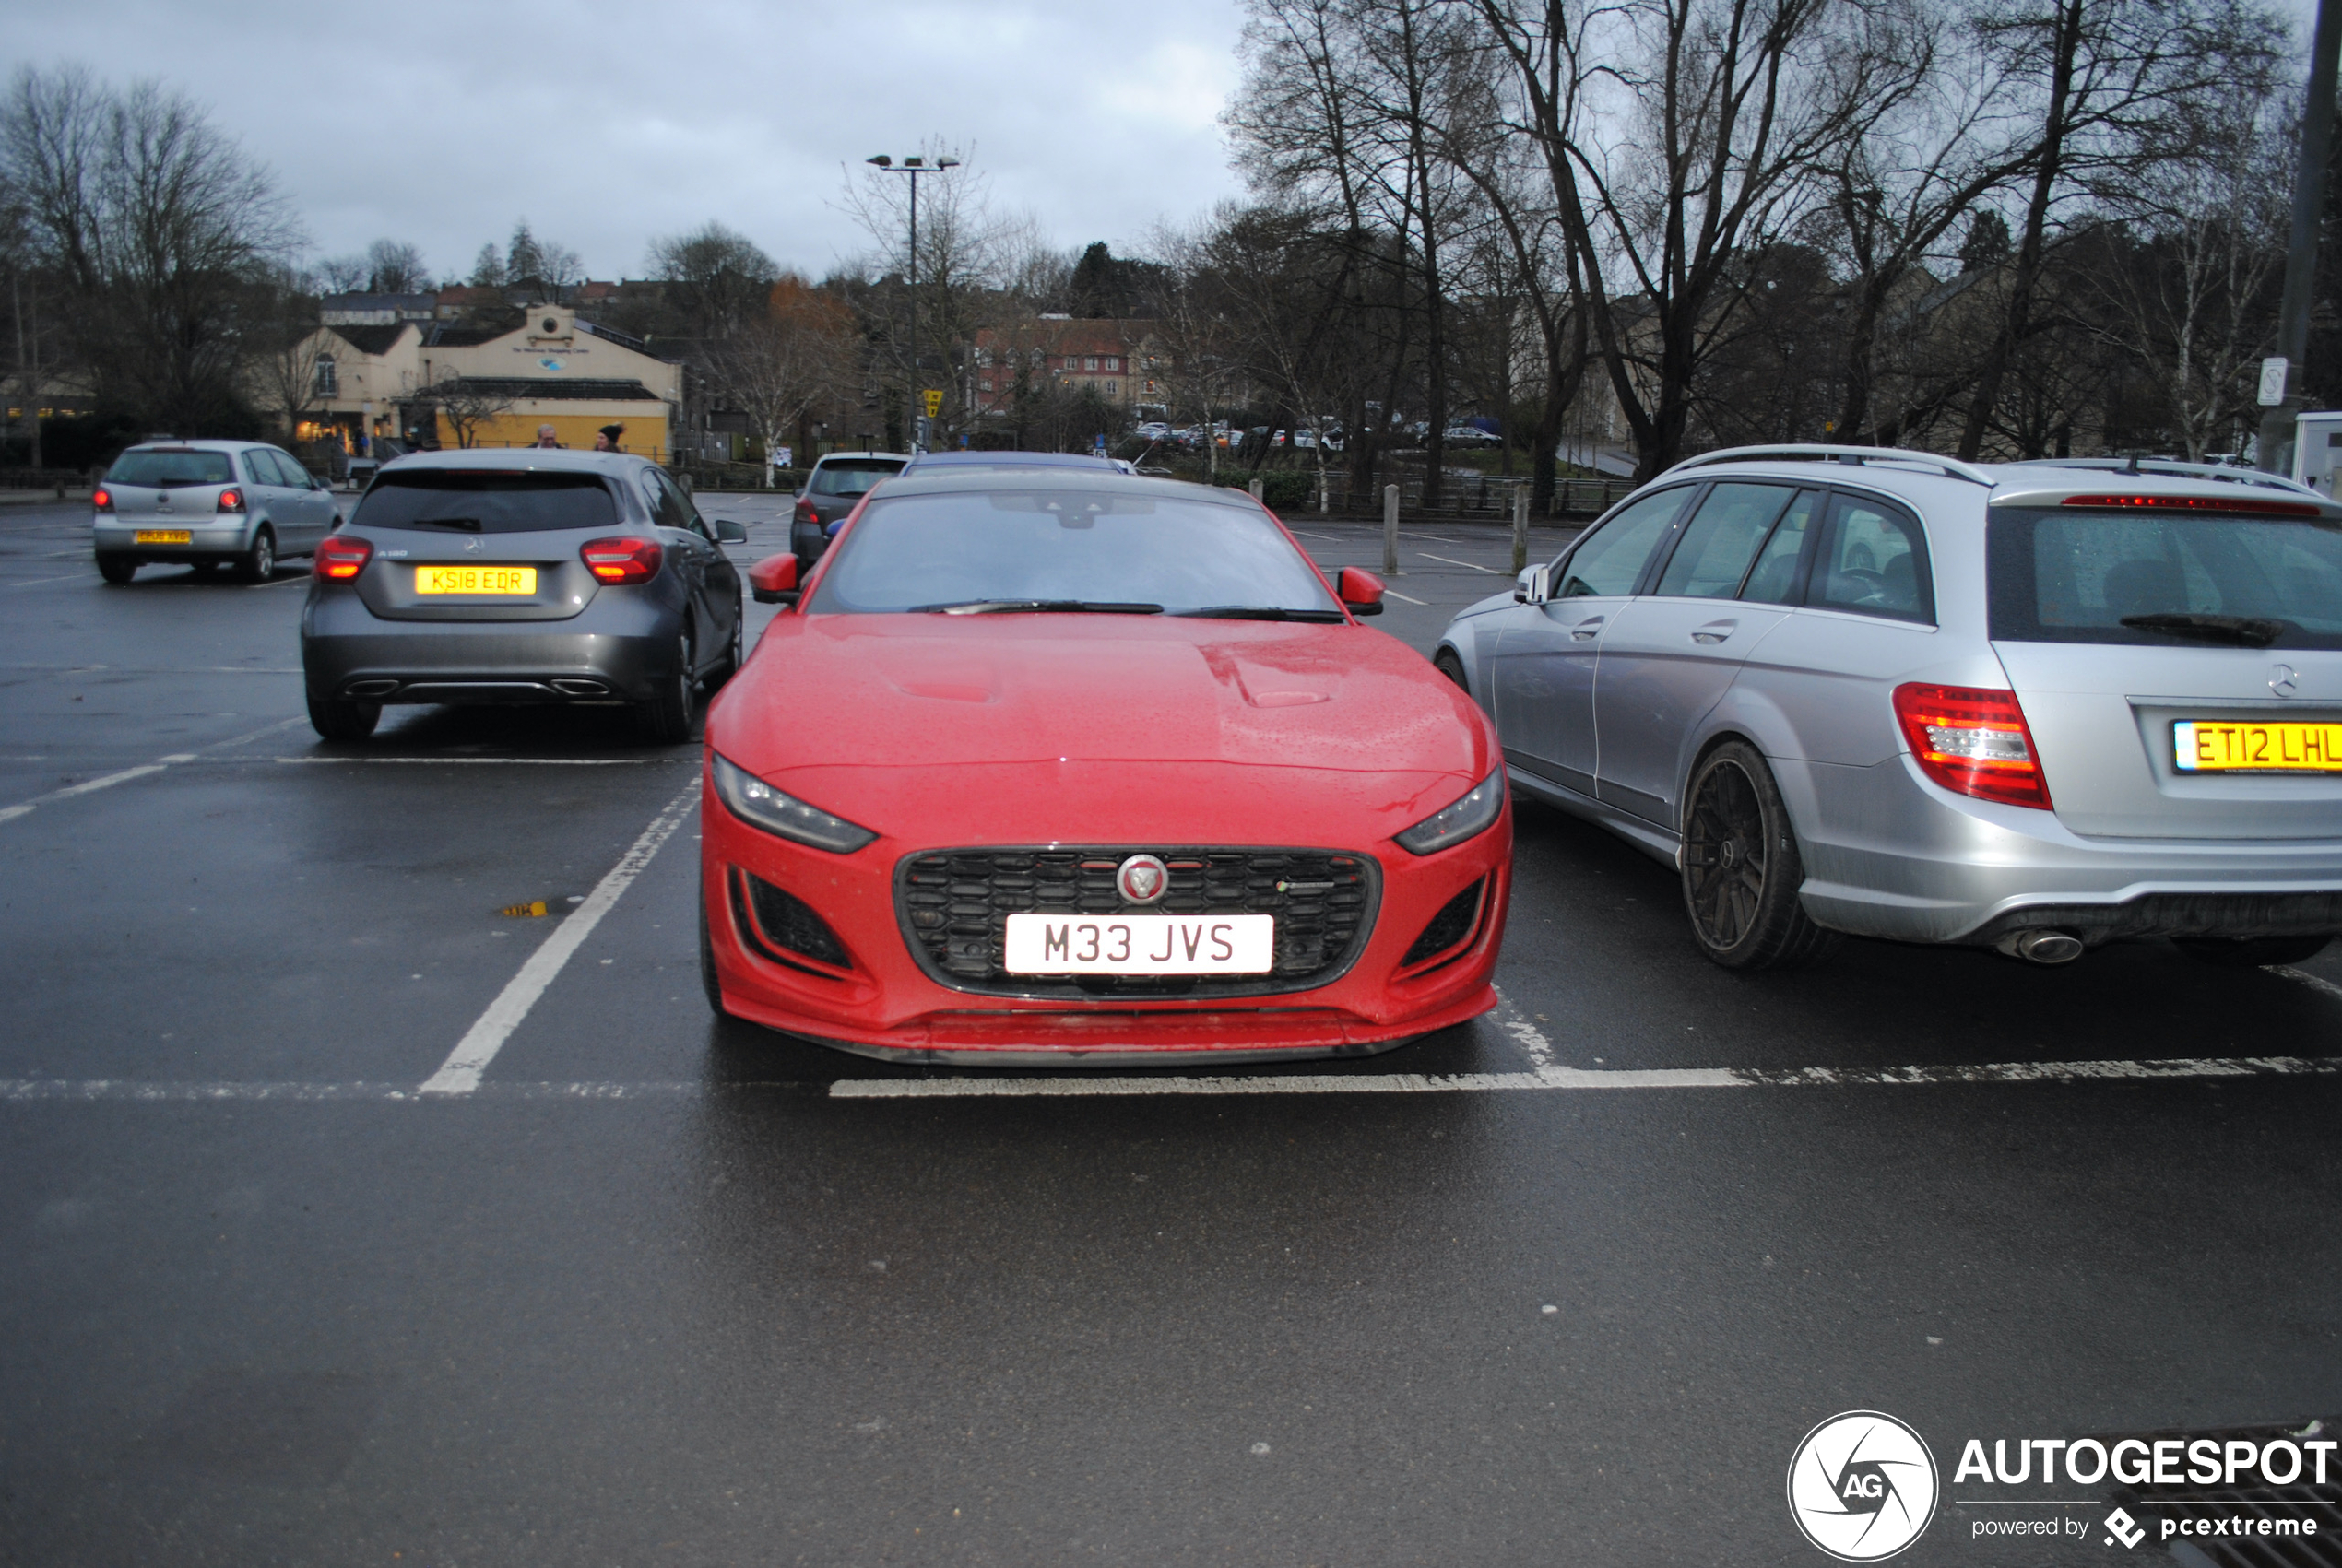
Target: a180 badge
column 1861, row 1486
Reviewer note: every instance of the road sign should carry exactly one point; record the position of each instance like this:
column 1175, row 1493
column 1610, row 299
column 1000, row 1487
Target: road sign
column 2273, row 380
column 934, row 400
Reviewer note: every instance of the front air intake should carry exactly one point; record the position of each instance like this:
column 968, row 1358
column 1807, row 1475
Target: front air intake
column 1455, row 923
column 786, row 921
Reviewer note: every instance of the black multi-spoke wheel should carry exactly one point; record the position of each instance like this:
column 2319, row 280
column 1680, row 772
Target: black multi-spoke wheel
column 1741, row 867
column 668, row 714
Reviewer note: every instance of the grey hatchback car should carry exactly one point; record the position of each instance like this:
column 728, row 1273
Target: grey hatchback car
column 207, row 504
column 520, row 576
column 2030, row 706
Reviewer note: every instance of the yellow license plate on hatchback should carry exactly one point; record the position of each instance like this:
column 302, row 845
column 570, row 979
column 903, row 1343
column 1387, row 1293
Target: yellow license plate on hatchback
column 2200, row 746
column 474, row 580
column 162, row 536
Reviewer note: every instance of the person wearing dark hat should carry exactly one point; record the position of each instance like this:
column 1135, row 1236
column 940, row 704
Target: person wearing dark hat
column 606, row 438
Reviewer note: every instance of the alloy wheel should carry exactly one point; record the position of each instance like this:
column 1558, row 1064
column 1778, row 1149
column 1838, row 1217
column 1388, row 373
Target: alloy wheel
column 1724, row 856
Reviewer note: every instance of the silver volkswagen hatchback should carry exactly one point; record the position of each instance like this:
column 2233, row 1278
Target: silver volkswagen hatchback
column 206, row 505
column 2032, row 706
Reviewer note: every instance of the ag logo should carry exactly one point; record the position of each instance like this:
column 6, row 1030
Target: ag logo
column 1861, row 1486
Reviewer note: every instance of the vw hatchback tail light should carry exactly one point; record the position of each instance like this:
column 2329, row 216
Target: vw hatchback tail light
column 623, row 560
column 1973, row 741
column 340, row 558
column 231, row 500
column 102, row 498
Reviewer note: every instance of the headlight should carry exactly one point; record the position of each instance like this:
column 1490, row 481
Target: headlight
column 1472, row 813
column 760, row 805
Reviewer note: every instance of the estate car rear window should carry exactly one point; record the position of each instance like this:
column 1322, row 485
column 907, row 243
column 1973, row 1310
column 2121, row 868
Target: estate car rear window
column 456, row 501
column 851, row 477
column 2061, row 575
column 166, row 468
column 975, row 550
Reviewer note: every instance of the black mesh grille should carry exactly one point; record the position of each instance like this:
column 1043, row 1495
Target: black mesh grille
column 954, row 905
column 1451, row 924
column 787, row 921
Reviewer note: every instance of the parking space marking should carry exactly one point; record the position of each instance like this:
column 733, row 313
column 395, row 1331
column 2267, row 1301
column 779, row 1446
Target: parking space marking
column 460, row 1073
column 35, row 583
column 90, row 786
column 1390, row 591
column 1443, row 560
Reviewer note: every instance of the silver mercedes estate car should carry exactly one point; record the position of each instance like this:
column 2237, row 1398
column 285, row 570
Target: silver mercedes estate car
column 2034, row 706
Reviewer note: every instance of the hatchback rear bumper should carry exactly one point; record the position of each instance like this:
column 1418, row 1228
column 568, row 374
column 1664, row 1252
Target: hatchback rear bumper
column 206, row 540
column 611, row 652
column 1888, row 854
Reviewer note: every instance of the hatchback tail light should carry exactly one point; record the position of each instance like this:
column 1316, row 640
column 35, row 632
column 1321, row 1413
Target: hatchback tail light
column 1974, row 742
column 805, row 513
column 231, row 500
column 622, row 560
column 340, row 558
column 102, row 500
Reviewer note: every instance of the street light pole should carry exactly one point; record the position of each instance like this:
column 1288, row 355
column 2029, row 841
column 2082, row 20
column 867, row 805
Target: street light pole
column 915, row 167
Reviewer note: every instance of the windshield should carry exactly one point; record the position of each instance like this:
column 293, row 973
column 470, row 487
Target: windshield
column 2062, row 576
column 168, row 467
column 851, row 478
column 1062, row 547
column 492, row 501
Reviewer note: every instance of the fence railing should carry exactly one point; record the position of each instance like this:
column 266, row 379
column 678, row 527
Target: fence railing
column 42, row 478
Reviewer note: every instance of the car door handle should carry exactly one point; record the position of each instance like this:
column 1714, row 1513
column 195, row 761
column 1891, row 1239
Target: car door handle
column 1587, row 630
column 1715, row 631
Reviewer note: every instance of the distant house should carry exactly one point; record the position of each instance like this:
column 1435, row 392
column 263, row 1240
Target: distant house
column 1121, row 360
column 553, row 369
column 376, row 309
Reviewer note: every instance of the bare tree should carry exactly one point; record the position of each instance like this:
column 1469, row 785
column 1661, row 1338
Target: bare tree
column 289, row 346
column 716, row 277
column 777, row 366
column 394, row 266
column 342, row 275
column 158, row 225
column 466, row 404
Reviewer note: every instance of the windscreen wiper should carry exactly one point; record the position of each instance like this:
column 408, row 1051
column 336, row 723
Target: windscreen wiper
column 1259, row 612
column 2237, row 630
column 1038, row 607
column 468, row 525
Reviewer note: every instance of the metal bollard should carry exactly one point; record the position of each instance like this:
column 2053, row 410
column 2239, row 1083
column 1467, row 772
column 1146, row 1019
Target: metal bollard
column 1520, row 529
column 1391, row 530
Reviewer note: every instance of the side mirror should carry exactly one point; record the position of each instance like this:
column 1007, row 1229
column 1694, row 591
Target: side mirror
column 773, row 580
column 729, row 533
column 1535, row 585
column 1361, row 590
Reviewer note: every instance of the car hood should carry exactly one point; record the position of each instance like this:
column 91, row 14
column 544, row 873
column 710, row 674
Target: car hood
column 1030, row 728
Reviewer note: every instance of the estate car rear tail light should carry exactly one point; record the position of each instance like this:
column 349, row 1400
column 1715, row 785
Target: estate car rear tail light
column 622, row 560
column 1974, row 742
column 340, row 557
column 805, row 513
column 231, row 500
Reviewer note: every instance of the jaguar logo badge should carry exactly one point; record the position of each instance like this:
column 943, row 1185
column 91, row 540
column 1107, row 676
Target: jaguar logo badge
column 1141, row 879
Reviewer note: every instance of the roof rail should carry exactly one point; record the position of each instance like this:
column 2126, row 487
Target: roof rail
column 1816, row 452
column 2178, row 468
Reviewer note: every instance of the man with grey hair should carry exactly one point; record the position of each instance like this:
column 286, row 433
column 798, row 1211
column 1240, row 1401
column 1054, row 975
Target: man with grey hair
column 545, row 436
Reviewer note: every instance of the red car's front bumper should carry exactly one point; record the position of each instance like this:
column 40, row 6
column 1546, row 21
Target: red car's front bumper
column 881, row 1001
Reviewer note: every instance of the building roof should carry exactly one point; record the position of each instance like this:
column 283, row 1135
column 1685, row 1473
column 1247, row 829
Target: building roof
column 376, row 340
column 558, row 389
column 447, row 335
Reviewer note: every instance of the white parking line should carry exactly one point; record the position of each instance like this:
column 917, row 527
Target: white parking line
column 35, row 583
column 1443, row 560
column 88, row 786
column 460, row 1073
column 1389, row 592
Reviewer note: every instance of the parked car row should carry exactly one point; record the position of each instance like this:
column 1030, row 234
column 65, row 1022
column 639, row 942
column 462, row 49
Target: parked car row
column 1045, row 762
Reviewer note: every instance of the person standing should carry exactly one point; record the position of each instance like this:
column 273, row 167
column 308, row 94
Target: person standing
column 606, row 438
column 545, row 436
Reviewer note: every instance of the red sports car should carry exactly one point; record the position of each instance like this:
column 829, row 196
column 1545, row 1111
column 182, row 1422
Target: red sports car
column 1081, row 769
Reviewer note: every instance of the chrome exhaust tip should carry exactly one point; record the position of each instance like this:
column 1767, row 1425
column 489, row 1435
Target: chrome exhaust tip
column 2042, row 946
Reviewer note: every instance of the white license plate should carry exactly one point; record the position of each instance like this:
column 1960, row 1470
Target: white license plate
column 1141, row 944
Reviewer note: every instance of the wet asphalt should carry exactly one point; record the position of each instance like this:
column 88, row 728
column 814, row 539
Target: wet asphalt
column 654, row 1294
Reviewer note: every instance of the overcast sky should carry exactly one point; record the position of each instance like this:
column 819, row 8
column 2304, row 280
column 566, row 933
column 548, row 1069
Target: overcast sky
column 607, row 124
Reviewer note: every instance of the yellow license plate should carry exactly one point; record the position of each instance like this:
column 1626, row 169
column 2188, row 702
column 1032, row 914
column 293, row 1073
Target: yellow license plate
column 162, row 536
column 474, row 580
column 2201, row 746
